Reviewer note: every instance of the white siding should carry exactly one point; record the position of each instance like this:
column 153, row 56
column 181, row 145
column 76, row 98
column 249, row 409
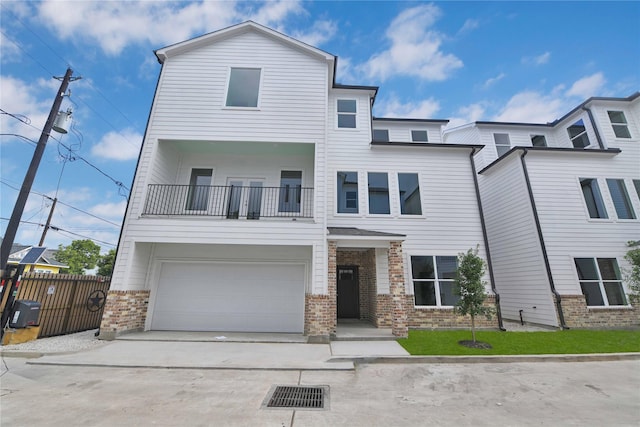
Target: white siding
column 400, row 131
column 516, row 254
column 601, row 117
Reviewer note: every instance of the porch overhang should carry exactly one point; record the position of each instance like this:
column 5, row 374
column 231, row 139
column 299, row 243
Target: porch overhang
column 352, row 237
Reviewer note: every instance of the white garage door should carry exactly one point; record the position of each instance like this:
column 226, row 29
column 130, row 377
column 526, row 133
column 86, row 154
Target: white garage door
column 241, row 297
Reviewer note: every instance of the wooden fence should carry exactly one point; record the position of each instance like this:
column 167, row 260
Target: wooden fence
column 68, row 303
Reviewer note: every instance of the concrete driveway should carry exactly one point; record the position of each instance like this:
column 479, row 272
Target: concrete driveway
column 417, row 394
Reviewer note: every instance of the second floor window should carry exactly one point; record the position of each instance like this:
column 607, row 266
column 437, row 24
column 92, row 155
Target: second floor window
column 290, row 191
column 244, row 87
column 419, row 136
column 198, row 196
column 378, row 193
column 347, row 113
column 619, row 124
column 502, row 143
column 409, row 190
column 381, row 135
column 578, row 134
column 593, row 198
column 347, row 192
column 620, row 198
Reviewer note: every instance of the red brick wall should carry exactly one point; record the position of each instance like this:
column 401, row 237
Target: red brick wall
column 435, row 318
column 578, row 315
column 124, row 311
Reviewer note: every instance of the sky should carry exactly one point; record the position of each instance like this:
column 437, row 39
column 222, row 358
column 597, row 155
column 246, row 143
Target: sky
column 461, row 61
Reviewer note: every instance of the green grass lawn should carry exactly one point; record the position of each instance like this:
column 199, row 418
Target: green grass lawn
column 439, row 343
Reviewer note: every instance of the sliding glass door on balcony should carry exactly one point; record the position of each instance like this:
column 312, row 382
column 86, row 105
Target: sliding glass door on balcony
column 245, row 198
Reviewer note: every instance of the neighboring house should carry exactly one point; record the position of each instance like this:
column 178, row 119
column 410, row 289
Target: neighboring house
column 45, row 264
column 260, row 202
column 268, row 199
column 561, row 201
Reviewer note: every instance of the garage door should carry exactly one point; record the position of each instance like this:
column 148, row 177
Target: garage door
column 240, row 297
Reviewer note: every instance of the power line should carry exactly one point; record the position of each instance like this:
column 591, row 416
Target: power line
column 62, row 230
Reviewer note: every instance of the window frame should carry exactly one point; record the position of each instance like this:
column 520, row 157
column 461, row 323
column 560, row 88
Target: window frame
column 502, row 145
column 228, row 85
column 385, row 133
column 198, row 197
column 376, row 192
column 598, row 200
column 544, row 139
column 346, row 193
column 622, row 192
column 415, row 132
column 601, row 282
column 624, row 124
column 287, row 191
column 580, row 135
column 437, row 281
column 400, row 203
column 347, row 113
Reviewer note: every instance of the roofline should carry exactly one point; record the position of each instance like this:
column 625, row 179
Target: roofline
column 613, row 151
column 162, row 55
column 486, row 123
column 398, row 119
column 629, row 98
column 477, row 147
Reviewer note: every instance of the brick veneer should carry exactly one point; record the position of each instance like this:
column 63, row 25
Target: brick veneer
column 578, row 315
column 124, row 311
column 320, row 319
column 399, row 325
column 434, row 318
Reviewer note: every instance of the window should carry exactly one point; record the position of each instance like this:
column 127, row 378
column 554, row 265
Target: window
column 199, row 186
column 600, row 281
column 433, row 280
column 419, row 136
column 409, row 190
column 620, row 198
column 578, row 135
column 381, row 135
column 244, row 86
column 347, row 113
column 378, row 193
column 636, row 184
column 538, row 141
column 593, row 198
column 502, row 143
column 290, row 191
column 347, row 192
column 619, row 124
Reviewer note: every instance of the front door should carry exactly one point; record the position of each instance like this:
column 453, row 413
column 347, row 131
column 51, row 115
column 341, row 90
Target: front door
column 348, row 292
column 244, row 198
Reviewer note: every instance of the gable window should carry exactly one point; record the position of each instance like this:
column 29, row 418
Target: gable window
column 347, row 192
column 419, row 136
column 502, row 143
column 593, row 198
column 290, row 191
column 381, row 135
column 244, row 87
column 578, row 134
column 378, row 193
column 538, row 141
column 199, row 186
column 600, row 281
column 409, row 190
column 347, row 113
column 620, row 198
column 433, row 280
column 619, row 124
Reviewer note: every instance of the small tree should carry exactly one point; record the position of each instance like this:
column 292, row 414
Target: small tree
column 470, row 287
column 79, row 255
column 105, row 263
column 632, row 275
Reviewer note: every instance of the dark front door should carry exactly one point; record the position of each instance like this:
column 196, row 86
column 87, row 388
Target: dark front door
column 348, row 292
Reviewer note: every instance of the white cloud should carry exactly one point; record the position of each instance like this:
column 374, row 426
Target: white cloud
column 123, row 145
column 537, row 60
column 110, row 210
column 425, row 109
column 20, row 98
column 114, row 25
column 467, row 114
column 320, row 32
column 493, row 80
column 531, row 107
column 10, row 50
column 588, row 86
column 345, row 71
column 469, row 25
column 415, row 48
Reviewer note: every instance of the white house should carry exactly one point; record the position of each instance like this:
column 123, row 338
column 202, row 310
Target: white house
column 268, row 199
column 561, row 201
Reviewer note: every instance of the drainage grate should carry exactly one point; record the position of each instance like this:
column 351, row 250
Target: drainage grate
column 298, row 397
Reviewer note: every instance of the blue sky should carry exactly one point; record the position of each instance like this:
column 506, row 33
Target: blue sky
column 462, row 61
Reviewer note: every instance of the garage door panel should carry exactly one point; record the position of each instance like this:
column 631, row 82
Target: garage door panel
column 247, row 297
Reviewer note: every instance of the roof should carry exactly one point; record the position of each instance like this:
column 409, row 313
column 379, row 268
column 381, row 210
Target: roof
column 477, row 147
column 358, row 232
column 18, row 251
column 396, row 119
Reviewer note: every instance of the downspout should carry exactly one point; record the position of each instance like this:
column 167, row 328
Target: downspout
column 486, row 240
column 595, row 128
column 563, row 325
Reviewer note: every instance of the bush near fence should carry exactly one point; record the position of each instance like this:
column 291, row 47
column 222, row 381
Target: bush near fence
column 68, row 303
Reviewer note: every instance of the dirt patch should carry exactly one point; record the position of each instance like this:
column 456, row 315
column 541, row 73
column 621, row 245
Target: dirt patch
column 477, row 344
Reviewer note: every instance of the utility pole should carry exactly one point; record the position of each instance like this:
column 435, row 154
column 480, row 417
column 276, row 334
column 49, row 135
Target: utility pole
column 18, row 209
column 47, row 225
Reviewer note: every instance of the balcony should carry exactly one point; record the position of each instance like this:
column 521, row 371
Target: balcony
column 229, row 202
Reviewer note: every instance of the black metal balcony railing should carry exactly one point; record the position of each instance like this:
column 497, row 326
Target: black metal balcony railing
column 231, row 202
